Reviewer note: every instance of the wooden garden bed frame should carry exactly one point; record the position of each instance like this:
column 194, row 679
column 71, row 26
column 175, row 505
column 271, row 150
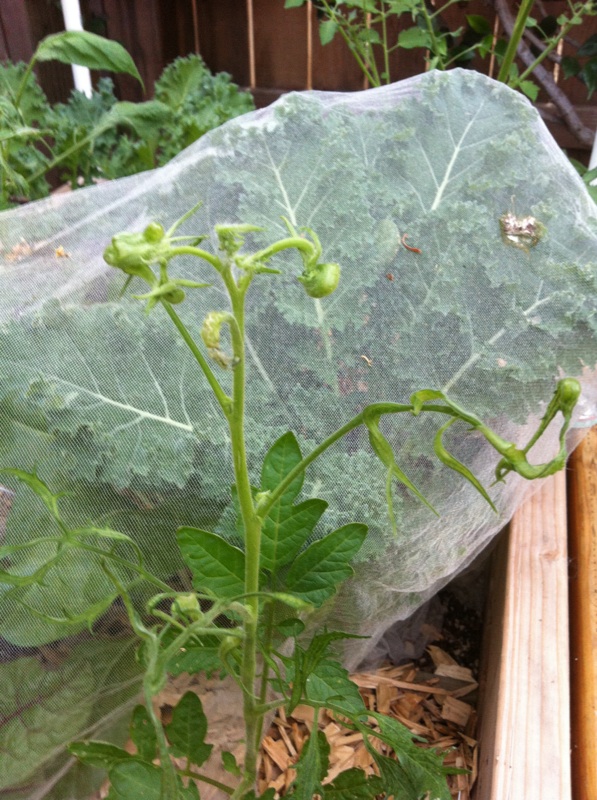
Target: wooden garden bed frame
column 538, row 728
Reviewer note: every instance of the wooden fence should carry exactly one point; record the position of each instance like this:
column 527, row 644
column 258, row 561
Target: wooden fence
column 262, row 45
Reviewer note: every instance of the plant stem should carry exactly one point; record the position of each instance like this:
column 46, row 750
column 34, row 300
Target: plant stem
column 189, row 773
column 73, row 149
column 428, row 19
column 169, row 789
column 252, row 527
column 365, row 66
column 519, row 26
column 549, row 48
column 296, row 242
column 189, row 250
column 23, row 84
column 384, row 34
column 221, row 396
column 376, row 408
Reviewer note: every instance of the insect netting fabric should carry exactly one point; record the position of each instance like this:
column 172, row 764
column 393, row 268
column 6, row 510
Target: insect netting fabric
column 493, row 299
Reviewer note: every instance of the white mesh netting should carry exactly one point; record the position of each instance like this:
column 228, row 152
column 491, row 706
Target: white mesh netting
column 104, row 403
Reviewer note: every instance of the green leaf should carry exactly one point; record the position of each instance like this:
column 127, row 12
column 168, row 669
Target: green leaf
column 418, row 399
column 317, row 572
column 383, row 450
column 589, row 76
column 269, row 794
column 570, row 66
column 217, row 566
column 135, row 780
column 354, row 784
column 202, row 656
column 589, row 47
column 312, row 766
column 286, row 529
column 304, row 663
column 143, row 734
column 294, row 3
column 88, row 50
column 145, row 118
column 88, row 424
column 41, row 710
column 529, row 88
column 102, row 755
column 290, row 627
column 199, row 101
column 229, row 763
column 479, row 24
column 327, row 31
column 36, row 485
column 330, row 683
column 186, row 732
column 42, row 611
column 36, row 745
column 280, row 459
column 410, row 38
column 394, row 778
column 408, row 779
column 450, row 461
column 420, row 769
column 191, row 792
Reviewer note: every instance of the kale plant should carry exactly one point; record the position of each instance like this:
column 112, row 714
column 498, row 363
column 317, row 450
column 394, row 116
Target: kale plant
column 467, row 249
column 93, row 138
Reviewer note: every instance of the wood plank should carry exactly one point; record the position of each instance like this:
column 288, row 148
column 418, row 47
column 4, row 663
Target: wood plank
column 223, row 37
column 582, row 499
column 56, row 79
column 136, row 25
column 526, row 690
column 16, row 40
column 280, row 45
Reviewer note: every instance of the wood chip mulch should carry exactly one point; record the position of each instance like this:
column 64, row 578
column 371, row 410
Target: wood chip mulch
column 431, row 705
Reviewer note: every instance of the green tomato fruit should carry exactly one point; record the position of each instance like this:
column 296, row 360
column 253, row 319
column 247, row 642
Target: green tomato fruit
column 154, row 232
column 568, row 392
column 175, row 296
column 321, row 280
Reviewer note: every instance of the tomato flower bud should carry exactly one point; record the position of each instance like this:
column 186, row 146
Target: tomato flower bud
column 132, row 254
column 228, row 646
column 210, row 333
column 188, row 605
column 232, row 237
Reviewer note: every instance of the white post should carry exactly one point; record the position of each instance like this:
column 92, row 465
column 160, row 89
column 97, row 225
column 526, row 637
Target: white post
column 593, row 159
column 71, row 12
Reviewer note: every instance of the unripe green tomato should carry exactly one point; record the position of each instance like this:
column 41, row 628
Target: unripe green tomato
column 321, row 280
column 568, row 392
column 154, row 232
column 175, row 296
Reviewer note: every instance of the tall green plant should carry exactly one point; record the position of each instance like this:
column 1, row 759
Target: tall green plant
column 26, row 147
column 100, row 137
column 266, row 575
column 369, row 29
